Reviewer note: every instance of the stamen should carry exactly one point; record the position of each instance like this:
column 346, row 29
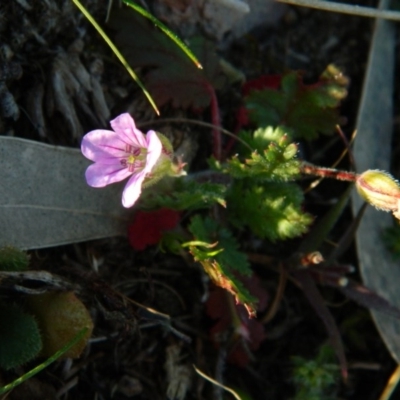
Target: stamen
column 128, row 148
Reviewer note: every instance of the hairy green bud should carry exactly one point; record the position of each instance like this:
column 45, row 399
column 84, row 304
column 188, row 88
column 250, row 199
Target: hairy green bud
column 380, row 189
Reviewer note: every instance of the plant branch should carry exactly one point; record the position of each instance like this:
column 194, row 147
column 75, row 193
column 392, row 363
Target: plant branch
column 314, row 170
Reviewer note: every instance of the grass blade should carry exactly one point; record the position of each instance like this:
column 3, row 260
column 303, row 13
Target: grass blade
column 120, row 57
column 167, row 31
column 42, row 366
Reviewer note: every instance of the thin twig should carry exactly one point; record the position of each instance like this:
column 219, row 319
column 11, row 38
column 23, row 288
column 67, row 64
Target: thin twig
column 348, row 144
column 128, row 284
column 359, row 11
column 194, row 122
column 278, row 296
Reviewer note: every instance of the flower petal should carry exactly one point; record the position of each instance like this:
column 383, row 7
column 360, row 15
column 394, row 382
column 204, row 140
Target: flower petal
column 100, row 175
column 103, row 146
column 133, row 189
column 154, row 149
column 125, row 127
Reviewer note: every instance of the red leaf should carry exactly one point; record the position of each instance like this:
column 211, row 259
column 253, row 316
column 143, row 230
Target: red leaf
column 308, row 110
column 263, row 82
column 147, row 227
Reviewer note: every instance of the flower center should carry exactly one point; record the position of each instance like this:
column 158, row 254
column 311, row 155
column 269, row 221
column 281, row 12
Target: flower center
column 135, row 158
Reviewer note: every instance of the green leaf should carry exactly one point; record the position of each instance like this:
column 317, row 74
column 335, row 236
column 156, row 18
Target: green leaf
column 316, row 379
column 165, row 29
column 307, row 110
column 222, row 261
column 189, row 195
column 20, row 339
column 208, row 230
column 272, row 160
column 272, row 210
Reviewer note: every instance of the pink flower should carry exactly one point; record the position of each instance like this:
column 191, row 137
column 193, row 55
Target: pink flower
column 120, row 153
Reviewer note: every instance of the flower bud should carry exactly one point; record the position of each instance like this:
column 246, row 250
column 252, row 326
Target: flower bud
column 379, row 189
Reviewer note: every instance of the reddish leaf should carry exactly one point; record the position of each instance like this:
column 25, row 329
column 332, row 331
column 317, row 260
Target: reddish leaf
column 171, row 75
column 367, row 298
column 263, row 82
column 334, row 275
column 306, row 109
column 147, row 227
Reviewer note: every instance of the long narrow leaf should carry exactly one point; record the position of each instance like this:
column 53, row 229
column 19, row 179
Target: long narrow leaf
column 120, row 57
column 368, row 298
column 167, row 31
column 320, row 231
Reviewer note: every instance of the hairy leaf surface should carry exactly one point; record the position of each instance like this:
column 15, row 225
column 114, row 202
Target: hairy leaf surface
column 272, row 210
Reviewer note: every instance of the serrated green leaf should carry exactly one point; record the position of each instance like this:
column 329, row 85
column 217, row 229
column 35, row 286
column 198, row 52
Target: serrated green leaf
column 221, row 266
column 273, row 160
column 307, row 110
column 231, row 256
column 272, row 210
column 221, row 277
column 189, row 195
column 208, row 230
column 203, row 229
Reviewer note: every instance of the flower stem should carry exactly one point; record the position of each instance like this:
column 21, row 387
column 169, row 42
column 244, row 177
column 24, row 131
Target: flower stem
column 216, row 120
column 310, row 169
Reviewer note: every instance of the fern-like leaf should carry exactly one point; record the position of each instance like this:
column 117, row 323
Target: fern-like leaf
column 273, row 158
column 221, row 259
column 189, row 195
column 272, row 210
